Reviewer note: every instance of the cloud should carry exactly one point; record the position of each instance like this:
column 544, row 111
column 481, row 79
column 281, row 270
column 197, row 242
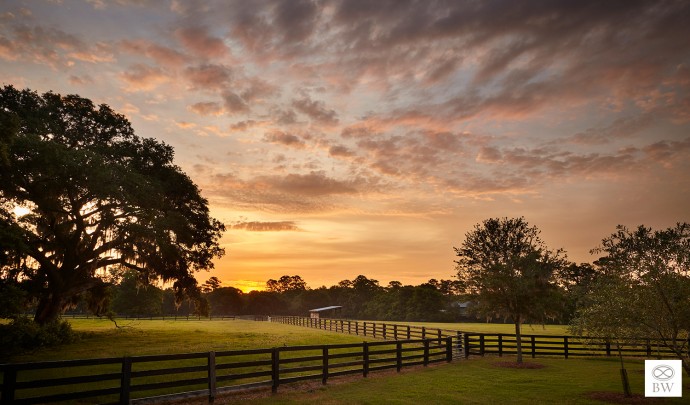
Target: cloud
column 208, row 77
column 160, row 54
column 233, row 103
column 206, row 108
column 198, row 41
column 340, row 151
column 141, row 77
column 284, row 138
column 257, row 226
column 81, row 80
column 316, row 110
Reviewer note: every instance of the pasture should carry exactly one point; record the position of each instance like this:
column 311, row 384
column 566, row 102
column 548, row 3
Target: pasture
column 474, row 381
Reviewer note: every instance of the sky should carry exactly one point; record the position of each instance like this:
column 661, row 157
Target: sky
column 339, row 138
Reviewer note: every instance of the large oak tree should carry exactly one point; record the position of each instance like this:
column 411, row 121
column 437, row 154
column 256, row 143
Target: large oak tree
column 81, row 194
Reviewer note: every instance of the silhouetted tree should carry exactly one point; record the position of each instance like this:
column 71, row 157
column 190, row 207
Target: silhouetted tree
column 98, row 197
column 286, row 283
column 225, row 301
column 510, row 272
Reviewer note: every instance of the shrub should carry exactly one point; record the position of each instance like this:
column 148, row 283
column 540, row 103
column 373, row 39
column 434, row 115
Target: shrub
column 23, row 334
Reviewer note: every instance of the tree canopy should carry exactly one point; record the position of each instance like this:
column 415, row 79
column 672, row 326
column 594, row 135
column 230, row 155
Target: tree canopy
column 80, row 194
column 509, row 272
column 643, row 290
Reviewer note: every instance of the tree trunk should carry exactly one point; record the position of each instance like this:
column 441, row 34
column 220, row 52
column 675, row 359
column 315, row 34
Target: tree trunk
column 518, row 339
column 686, row 366
column 49, row 309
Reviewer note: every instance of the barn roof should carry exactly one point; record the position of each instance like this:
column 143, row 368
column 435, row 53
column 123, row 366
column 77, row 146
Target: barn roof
column 325, row 308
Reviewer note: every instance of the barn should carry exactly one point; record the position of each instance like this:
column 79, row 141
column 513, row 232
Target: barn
column 334, row 311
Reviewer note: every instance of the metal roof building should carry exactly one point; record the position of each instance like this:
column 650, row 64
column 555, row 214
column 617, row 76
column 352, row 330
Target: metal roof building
column 325, row 312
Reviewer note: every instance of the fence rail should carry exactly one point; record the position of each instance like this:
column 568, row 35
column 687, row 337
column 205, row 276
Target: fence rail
column 119, row 380
column 469, row 344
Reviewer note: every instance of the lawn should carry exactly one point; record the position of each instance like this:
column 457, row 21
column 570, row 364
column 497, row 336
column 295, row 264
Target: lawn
column 474, row 381
column 145, row 337
column 477, row 381
column 483, row 327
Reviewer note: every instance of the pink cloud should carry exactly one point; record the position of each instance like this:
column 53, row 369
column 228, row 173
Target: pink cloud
column 198, row 41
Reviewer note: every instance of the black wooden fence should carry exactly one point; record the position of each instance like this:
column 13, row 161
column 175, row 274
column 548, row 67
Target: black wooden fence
column 479, row 344
column 142, row 378
column 378, row 330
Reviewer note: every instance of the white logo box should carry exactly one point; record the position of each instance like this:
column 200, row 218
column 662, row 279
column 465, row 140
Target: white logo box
column 663, row 378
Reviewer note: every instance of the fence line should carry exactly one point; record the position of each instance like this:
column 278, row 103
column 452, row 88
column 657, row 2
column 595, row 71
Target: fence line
column 114, row 380
column 478, row 344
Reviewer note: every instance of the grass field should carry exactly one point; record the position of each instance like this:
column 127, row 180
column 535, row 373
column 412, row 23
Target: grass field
column 478, row 381
column 102, row 339
column 475, row 381
column 483, row 327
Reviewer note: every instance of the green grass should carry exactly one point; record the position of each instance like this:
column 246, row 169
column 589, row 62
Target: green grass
column 101, row 338
column 475, row 381
column 482, row 327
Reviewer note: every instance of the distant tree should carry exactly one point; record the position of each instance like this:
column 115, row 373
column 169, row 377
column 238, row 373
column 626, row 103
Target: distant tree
column 211, row 284
column 576, row 281
column 286, row 283
column 510, row 273
column 225, row 301
column 392, row 285
column 644, row 290
column 133, row 296
column 264, row 303
column 96, row 197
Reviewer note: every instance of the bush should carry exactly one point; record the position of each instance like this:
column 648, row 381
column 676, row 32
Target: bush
column 23, row 334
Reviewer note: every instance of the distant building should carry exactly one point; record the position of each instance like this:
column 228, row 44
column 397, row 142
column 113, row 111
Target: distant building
column 326, row 312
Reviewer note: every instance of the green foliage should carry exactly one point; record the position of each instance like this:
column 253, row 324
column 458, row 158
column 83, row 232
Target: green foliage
column 509, row 272
column 97, row 197
column 134, row 297
column 23, row 334
column 644, row 290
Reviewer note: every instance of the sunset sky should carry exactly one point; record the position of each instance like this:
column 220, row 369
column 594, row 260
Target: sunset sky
column 338, row 138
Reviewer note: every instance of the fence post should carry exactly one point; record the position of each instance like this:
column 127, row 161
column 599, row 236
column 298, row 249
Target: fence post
column 467, row 346
column 608, row 349
column 439, row 335
column 500, row 345
column 365, row 328
column 481, row 345
column 449, row 349
column 383, row 329
column 426, row 353
column 458, row 337
column 534, row 349
column 365, row 359
column 275, row 369
column 423, row 332
column 395, row 331
column 649, row 348
column 9, row 381
column 374, row 329
column 125, row 380
column 408, row 332
column 324, row 376
column 398, row 356
column 357, row 328
column 565, row 346
column 211, row 376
